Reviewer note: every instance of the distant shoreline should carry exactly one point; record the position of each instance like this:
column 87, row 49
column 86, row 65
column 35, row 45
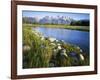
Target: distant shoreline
column 80, row 28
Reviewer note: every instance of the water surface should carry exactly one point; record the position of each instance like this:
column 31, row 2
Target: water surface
column 79, row 38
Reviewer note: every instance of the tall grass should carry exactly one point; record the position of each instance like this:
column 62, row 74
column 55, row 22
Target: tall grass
column 40, row 53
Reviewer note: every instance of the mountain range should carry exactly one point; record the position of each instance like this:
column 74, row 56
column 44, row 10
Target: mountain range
column 55, row 20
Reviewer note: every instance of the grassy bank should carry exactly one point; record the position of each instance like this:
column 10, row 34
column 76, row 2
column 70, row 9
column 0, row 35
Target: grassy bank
column 40, row 51
column 81, row 28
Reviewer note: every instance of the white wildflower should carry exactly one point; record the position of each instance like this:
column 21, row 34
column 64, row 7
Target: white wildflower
column 64, row 54
column 59, row 47
column 53, row 44
column 58, row 44
column 56, row 40
column 26, row 48
column 42, row 38
column 82, row 57
column 81, row 50
column 63, row 51
column 62, row 40
column 78, row 47
column 54, row 50
column 52, row 39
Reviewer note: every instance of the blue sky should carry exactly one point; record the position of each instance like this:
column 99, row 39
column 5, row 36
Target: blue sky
column 41, row 14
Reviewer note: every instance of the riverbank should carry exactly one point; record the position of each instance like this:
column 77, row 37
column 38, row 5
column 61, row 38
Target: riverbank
column 40, row 51
column 80, row 28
